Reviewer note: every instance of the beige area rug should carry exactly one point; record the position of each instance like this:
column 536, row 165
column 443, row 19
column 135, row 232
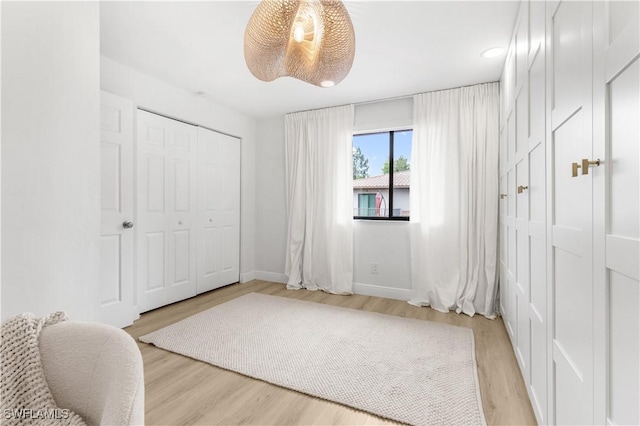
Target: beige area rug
column 413, row 371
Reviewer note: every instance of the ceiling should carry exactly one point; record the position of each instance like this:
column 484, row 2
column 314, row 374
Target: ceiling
column 402, row 48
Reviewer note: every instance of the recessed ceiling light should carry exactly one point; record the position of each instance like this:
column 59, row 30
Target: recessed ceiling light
column 327, row 83
column 493, row 52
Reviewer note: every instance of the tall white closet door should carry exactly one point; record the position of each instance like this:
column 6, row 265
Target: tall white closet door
column 219, row 210
column 521, row 172
column 536, row 194
column 620, row 22
column 166, row 210
column 116, row 304
column 571, row 255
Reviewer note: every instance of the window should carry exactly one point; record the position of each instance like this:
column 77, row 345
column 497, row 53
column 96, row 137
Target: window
column 382, row 175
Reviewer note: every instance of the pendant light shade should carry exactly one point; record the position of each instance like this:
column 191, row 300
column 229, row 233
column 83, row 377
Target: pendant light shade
column 311, row 40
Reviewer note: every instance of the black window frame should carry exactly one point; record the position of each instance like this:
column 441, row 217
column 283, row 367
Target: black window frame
column 390, row 216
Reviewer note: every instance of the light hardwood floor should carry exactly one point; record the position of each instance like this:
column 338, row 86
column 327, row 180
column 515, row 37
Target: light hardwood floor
column 183, row 391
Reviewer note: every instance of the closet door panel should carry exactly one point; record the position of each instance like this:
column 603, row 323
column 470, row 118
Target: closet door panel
column 230, row 213
column 181, row 257
column 153, row 256
column 210, row 192
column 622, row 240
column 219, row 210
column 181, row 209
column 568, row 80
column 154, row 183
column 571, row 258
column 625, row 151
column 536, row 99
column 522, row 189
column 624, row 368
column 166, row 205
column 536, row 30
column 522, row 125
column 538, row 384
column 522, row 238
column 536, row 181
column 151, row 207
column 537, row 217
column 503, row 151
column 511, row 138
column 522, row 47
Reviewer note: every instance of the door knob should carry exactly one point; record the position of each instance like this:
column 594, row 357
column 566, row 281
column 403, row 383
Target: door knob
column 522, row 188
column 127, row 225
column 586, row 163
column 574, row 169
column 502, row 196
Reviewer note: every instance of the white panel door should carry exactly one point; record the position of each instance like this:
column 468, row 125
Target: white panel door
column 571, row 255
column 536, row 194
column 218, row 230
column 116, row 304
column 166, row 207
column 510, row 305
column 521, row 246
column 621, row 90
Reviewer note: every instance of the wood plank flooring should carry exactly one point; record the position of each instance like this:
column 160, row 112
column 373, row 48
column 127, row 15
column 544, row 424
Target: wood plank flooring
column 183, row 391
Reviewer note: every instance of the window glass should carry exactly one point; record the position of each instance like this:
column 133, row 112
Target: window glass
column 381, row 175
column 402, row 172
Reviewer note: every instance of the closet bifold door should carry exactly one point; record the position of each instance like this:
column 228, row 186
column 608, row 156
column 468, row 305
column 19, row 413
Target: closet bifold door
column 218, row 223
column 166, row 210
column 617, row 210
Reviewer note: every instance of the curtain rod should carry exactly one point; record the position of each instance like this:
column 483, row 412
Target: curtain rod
column 393, row 98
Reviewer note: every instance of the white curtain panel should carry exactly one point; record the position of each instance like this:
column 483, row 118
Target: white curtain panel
column 454, row 199
column 318, row 148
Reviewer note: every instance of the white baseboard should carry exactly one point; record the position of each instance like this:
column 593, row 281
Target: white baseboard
column 381, row 291
column 358, row 288
column 247, row 276
column 274, row 277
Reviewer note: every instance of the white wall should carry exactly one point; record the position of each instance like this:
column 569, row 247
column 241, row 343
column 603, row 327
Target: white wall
column 50, row 158
column 155, row 95
column 383, row 242
column 271, row 214
column 384, row 115
column 387, row 244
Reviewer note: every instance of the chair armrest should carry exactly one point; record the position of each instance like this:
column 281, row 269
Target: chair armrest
column 94, row 370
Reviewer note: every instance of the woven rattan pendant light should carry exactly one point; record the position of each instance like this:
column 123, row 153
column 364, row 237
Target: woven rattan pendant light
column 311, row 40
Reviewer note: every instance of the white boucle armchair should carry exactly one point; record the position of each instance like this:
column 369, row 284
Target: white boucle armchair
column 94, row 370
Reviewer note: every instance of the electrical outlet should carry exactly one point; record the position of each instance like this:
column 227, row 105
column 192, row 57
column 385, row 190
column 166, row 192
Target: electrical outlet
column 374, row 267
